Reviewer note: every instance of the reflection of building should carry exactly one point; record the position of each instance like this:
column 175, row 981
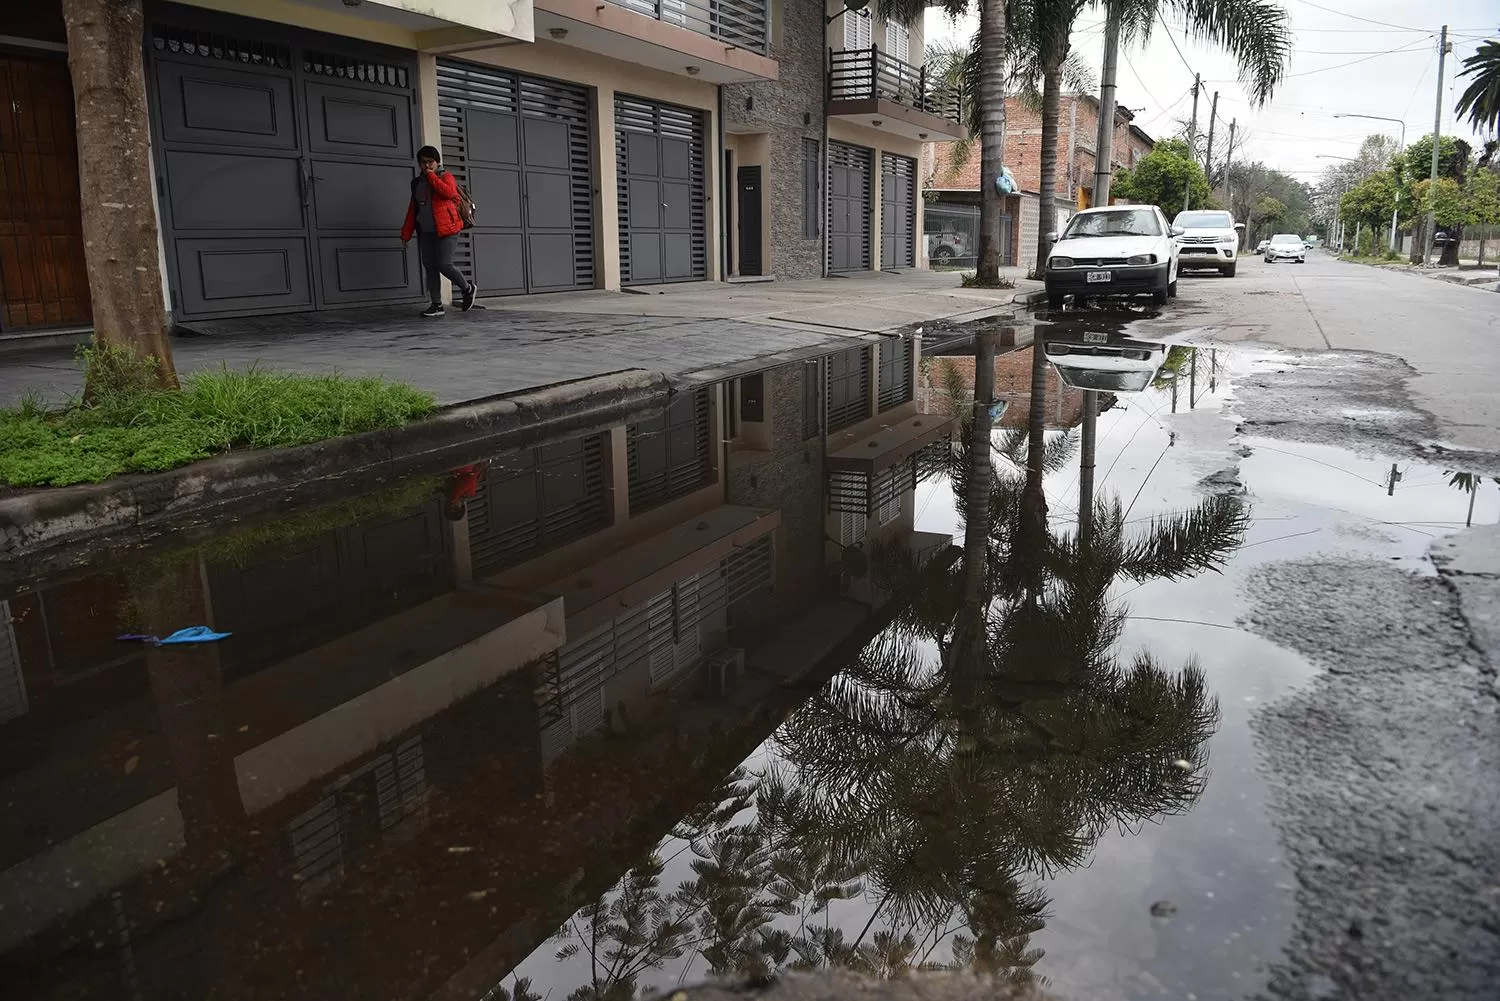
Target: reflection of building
column 403, row 682
column 1012, row 385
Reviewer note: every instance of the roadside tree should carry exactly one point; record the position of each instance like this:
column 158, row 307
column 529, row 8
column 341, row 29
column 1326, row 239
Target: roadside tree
column 1480, row 101
column 1482, row 201
column 131, row 349
column 1164, row 177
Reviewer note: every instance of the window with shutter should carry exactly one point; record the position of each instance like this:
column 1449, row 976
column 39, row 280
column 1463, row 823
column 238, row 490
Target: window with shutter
column 898, row 41
column 857, row 33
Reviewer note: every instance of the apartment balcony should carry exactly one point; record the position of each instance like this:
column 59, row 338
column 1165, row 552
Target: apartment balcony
column 869, row 87
column 716, row 41
column 865, row 473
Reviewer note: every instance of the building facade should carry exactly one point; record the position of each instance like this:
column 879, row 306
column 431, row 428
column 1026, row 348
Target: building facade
column 952, row 181
column 606, row 145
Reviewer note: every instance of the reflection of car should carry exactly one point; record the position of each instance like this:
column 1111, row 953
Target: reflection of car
column 1210, row 239
column 1113, row 250
column 947, row 246
column 1260, row 248
column 1113, row 364
column 1286, row 247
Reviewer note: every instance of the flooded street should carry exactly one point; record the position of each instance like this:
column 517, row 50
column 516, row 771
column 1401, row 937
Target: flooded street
column 738, row 688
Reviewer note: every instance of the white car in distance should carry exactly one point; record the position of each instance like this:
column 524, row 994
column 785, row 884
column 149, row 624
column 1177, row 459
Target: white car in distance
column 1286, row 247
column 1210, row 239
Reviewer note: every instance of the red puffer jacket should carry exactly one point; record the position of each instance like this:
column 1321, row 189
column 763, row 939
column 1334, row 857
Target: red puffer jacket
column 444, row 205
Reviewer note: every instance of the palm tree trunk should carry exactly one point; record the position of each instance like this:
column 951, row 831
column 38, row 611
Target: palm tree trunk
column 1051, row 101
column 1033, row 535
column 968, row 637
column 991, row 134
column 114, row 175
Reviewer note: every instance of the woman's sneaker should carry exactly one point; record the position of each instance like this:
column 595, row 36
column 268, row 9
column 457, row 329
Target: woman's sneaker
column 469, row 294
column 436, row 309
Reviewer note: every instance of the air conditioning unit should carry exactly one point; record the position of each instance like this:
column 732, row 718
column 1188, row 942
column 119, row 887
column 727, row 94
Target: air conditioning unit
column 723, row 669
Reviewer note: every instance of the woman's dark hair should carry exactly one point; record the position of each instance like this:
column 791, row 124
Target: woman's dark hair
column 429, row 153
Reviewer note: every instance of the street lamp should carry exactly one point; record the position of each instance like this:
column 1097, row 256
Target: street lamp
column 1382, row 118
column 1338, row 208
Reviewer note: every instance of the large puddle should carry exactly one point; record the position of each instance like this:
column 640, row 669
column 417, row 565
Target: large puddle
column 622, row 712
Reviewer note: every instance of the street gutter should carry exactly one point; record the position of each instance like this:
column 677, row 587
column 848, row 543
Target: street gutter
column 49, row 531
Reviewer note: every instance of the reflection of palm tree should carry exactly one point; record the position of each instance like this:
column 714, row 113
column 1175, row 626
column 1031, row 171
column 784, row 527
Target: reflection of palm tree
column 941, row 773
column 1469, row 483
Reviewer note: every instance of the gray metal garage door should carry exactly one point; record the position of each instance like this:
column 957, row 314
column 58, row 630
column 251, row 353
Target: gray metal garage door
column 898, row 211
column 663, row 216
column 521, row 145
column 283, row 167
column 849, row 187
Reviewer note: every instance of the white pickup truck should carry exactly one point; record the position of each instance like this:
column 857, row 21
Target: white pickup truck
column 1210, row 239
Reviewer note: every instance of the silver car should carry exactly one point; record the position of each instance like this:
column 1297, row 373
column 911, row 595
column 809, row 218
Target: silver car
column 1286, row 247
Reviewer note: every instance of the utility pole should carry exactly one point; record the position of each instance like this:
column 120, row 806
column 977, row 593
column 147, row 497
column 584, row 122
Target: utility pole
column 1192, row 138
column 1437, row 129
column 1104, row 140
column 1208, row 157
column 1228, row 184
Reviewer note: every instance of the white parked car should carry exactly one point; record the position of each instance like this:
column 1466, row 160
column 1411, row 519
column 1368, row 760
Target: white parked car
column 1286, row 247
column 1210, row 239
column 1113, row 250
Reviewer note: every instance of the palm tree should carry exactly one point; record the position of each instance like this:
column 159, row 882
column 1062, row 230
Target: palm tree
column 1481, row 99
column 1255, row 32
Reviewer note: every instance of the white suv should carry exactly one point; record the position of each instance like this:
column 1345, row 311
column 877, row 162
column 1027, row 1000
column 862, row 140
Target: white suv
column 1210, row 239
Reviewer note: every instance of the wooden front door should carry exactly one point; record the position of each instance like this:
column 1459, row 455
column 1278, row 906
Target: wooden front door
column 43, row 280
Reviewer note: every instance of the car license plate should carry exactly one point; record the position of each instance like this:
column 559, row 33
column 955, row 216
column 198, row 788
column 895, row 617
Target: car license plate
column 1098, row 276
column 1095, row 337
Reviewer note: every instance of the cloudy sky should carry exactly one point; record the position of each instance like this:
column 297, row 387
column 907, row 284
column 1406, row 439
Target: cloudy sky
column 1374, row 57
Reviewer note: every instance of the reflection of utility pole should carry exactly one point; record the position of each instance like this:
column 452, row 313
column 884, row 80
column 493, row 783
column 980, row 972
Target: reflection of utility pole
column 1193, row 381
column 1390, row 485
column 1086, row 466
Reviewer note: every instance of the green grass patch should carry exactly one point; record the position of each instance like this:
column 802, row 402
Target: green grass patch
column 135, row 431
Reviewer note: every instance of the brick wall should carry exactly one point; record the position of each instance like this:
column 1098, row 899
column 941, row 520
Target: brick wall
column 1077, row 125
column 787, row 110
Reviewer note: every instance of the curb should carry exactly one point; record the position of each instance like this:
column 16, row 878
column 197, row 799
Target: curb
column 63, row 528
column 1031, row 298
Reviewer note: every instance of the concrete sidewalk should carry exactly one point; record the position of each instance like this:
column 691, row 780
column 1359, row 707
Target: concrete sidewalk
column 693, row 334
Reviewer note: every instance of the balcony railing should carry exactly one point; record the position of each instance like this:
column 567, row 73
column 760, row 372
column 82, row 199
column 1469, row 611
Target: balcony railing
column 865, row 74
column 741, row 23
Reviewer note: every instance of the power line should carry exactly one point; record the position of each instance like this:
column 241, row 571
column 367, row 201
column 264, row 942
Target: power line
column 1174, row 43
column 1390, row 52
column 1356, row 17
column 1415, row 90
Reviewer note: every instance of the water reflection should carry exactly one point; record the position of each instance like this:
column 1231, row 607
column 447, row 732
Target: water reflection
column 901, row 818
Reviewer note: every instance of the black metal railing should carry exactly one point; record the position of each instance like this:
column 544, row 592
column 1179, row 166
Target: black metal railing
column 741, row 23
column 862, row 74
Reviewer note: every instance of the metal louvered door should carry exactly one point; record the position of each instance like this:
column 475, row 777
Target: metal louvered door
column 898, row 211
column 849, row 189
column 521, row 146
column 534, row 501
column 660, row 153
column 281, row 157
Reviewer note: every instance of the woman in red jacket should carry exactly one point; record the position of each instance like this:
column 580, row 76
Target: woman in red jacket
column 432, row 216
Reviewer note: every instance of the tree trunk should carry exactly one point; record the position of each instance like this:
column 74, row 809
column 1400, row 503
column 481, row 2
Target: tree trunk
column 1033, row 532
column 1051, row 112
column 968, row 640
column 1418, row 240
column 105, row 39
column 1449, row 256
column 991, row 134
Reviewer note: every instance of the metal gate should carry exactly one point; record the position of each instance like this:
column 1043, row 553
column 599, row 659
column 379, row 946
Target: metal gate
column 521, row 146
column 282, row 158
column 849, row 188
column 534, row 501
column 659, row 149
column 898, row 211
